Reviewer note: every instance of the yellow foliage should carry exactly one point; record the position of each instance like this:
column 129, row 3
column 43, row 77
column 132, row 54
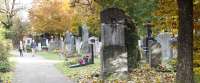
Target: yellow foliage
column 197, row 70
column 167, row 16
column 86, row 14
column 50, row 16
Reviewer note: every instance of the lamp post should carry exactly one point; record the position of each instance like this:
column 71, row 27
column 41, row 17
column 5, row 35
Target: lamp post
column 148, row 26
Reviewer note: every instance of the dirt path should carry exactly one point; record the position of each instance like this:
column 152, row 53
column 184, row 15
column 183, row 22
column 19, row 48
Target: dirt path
column 37, row 70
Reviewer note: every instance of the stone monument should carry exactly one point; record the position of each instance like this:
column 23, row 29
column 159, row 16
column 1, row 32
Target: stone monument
column 114, row 54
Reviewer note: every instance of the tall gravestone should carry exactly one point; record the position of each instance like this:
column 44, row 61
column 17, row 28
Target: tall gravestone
column 155, row 53
column 85, row 36
column 78, row 44
column 114, row 54
column 164, row 39
column 51, row 44
column 69, row 43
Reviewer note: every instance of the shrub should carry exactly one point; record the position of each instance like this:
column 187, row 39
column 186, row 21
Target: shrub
column 4, row 66
column 4, row 52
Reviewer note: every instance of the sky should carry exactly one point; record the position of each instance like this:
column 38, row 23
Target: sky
column 26, row 4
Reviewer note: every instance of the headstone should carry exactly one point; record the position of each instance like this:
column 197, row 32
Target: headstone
column 164, row 39
column 47, row 43
column 44, row 44
column 96, row 47
column 155, row 54
column 114, row 54
column 78, row 44
column 84, row 44
column 51, row 44
column 140, row 46
column 39, row 46
column 61, row 47
column 173, row 43
column 69, row 41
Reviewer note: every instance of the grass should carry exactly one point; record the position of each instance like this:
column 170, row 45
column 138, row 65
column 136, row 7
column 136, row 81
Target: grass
column 49, row 55
column 73, row 73
column 79, row 72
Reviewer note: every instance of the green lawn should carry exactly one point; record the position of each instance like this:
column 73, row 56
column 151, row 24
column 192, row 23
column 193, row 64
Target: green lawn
column 79, row 72
column 49, row 55
column 73, row 73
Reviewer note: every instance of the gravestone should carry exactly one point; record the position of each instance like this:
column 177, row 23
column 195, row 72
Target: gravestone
column 98, row 46
column 39, row 46
column 69, row 42
column 51, row 44
column 173, row 43
column 164, row 40
column 47, row 43
column 114, row 54
column 84, row 44
column 142, row 54
column 61, row 52
column 44, row 43
column 78, row 45
column 155, row 52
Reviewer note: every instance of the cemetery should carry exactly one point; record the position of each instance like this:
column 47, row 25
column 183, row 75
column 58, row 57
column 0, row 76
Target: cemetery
column 112, row 58
column 100, row 41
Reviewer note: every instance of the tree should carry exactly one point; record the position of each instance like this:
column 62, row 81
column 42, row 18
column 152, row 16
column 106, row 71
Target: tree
column 139, row 10
column 166, row 17
column 8, row 10
column 185, row 42
column 87, row 12
column 18, row 30
column 51, row 16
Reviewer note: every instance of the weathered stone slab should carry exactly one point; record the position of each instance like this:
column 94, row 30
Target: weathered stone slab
column 164, row 39
column 114, row 53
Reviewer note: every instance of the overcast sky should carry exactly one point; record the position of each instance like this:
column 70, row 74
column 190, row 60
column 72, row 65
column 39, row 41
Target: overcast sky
column 26, row 5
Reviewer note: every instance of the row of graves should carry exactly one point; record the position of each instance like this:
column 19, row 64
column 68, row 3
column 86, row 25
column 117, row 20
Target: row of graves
column 159, row 50
column 86, row 47
column 69, row 45
column 119, row 47
column 42, row 43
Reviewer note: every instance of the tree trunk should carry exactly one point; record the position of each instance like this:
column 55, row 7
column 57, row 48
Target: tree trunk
column 185, row 42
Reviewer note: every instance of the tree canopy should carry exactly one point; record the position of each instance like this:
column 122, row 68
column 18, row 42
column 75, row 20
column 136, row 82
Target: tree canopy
column 52, row 16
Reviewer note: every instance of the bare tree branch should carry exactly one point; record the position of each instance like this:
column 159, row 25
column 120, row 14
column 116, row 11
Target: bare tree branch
column 9, row 11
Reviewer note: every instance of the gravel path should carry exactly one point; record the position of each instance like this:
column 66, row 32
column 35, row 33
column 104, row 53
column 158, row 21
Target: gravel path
column 37, row 70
